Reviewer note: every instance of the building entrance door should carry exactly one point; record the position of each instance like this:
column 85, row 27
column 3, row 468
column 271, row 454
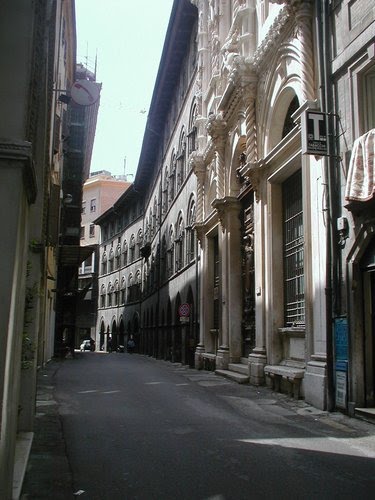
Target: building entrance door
column 248, row 281
column 368, row 268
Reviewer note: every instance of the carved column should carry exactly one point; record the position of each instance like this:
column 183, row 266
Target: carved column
column 303, row 13
column 228, row 209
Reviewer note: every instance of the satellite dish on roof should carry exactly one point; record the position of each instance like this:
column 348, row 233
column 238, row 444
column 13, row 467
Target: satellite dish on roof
column 85, row 92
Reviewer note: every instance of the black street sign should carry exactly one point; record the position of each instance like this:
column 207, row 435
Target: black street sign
column 314, row 133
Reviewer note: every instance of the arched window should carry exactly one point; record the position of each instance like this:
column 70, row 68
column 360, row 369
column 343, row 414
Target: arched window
column 172, row 180
column 190, row 232
column 180, row 243
column 123, row 290
column 138, row 285
column 131, row 289
column 111, row 260
column 118, row 256
column 139, row 243
column 180, row 161
column 170, row 253
column 125, row 253
column 163, row 259
column 289, row 123
column 152, row 272
column 117, row 293
column 104, row 263
column 165, row 192
column 192, row 133
column 132, row 248
column 102, row 296
column 154, row 216
column 110, row 294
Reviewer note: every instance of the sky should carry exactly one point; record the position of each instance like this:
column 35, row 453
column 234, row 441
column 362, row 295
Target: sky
column 127, row 36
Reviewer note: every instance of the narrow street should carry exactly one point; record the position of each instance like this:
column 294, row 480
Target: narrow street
column 140, row 428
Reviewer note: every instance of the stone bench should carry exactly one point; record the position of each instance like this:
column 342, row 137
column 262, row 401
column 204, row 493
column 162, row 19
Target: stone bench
column 292, row 375
column 209, row 361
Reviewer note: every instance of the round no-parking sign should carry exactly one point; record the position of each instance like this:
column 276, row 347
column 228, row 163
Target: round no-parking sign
column 184, row 310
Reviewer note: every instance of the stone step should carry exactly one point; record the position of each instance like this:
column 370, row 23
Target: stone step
column 236, row 377
column 239, row 368
column 367, row 414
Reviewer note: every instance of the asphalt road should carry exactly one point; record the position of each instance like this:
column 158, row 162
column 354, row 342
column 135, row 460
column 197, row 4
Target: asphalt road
column 140, row 428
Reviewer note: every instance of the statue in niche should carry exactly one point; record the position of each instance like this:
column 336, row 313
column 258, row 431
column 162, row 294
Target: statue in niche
column 230, row 51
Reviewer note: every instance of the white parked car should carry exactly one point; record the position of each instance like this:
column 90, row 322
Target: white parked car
column 86, row 345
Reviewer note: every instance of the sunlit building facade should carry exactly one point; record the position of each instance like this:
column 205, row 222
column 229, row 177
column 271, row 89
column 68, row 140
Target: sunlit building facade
column 224, row 254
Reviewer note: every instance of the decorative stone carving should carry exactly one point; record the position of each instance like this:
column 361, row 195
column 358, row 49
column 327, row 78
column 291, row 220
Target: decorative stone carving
column 270, row 42
column 225, row 206
column 230, row 51
column 216, row 127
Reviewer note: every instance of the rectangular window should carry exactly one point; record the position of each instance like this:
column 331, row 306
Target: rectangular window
column 93, row 205
column 82, row 232
column 293, row 251
column 83, row 207
column 92, row 230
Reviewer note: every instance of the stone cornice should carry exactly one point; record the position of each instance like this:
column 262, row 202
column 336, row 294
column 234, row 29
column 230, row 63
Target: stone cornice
column 18, row 154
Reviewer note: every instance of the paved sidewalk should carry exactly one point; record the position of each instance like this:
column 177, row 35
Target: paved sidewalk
column 48, row 475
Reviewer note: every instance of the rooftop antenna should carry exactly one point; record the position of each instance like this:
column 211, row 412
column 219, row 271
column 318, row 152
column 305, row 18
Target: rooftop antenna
column 96, row 63
column 87, row 55
column 125, row 167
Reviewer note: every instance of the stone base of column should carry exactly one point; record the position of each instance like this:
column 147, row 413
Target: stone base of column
column 315, row 382
column 257, row 362
column 198, row 358
column 222, row 358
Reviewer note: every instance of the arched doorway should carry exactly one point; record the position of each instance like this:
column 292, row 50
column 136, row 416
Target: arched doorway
column 121, row 336
column 112, row 345
column 177, row 333
column 169, row 345
column 135, row 331
column 192, row 337
column 102, row 336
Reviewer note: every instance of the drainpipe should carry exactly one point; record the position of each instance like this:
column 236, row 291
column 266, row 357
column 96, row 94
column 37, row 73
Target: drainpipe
column 326, row 96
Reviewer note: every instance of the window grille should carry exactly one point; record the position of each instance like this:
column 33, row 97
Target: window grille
column 294, row 279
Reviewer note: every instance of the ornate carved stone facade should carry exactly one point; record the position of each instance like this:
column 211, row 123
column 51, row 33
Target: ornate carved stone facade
column 261, row 207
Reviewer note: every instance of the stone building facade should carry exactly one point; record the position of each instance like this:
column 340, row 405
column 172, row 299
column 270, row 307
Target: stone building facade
column 37, row 63
column 353, row 103
column 226, row 162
